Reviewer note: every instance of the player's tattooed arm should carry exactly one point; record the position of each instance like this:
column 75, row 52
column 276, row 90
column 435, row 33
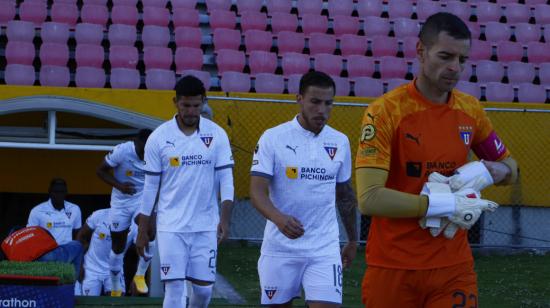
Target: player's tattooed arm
column 347, row 207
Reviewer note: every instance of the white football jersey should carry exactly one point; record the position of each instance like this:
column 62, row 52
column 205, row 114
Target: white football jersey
column 188, row 197
column 303, row 169
column 59, row 223
column 128, row 167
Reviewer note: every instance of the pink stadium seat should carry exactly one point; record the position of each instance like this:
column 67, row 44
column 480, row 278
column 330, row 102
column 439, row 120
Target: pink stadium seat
column 328, row 63
column 54, row 54
column 400, row 9
column 466, row 72
column 495, row 31
column 154, row 3
column 94, row 14
column 486, row 11
column 525, row 32
column 535, row 2
column 122, row 34
column 65, row 13
column 269, row 83
column 546, row 34
column 89, row 55
column 230, row 60
column 475, row 30
column 544, row 74
column 519, row 72
column 54, row 76
column 156, row 16
column 7, row 13
column 89, row 77
column 394, row 83
column 88, row 34
column 460, row 9
column 20, row 53
column 123, row 56
column 340, row 7
column 403, row 27
column 19, row 74
column 235, row 82
column 155, row 36
column 95, row 2
column 353, row 45
column 33, row 11
column 480, row 50
column 384, row 46
column 342, row 85
column 295, row 63
column 368, row 87
column 345, row 25
column 125, row 78
column 185, row 17
column 538, row 52
column 187, row 4
column 249, row 6
column 262, row 62
column 542, row 14
column 187, row 58
column 258, row 40
column 359, row 66
column 392, row 67
column 376, row 26
column 283, row 22
column 54, row 32
column 312, row 23
column 509, row 51
column 157, row 57
column 293, row 83
column 471, row 88
column 309, row 7
column 224, row 5
column 282, row 6
column 408, row 46
column 499, row 92
column 426, row 8
column 370, row 8
column 222, row 19
column 159, row 79
column 202, row 75
column 125, row 2
column 489, row 71
column 253, row 20
column 321, row 43
column 290, row 42
column 516, row 12
column 530, row 93
column 188, row 37
column 226, row 39
column 124, row 14
column 19, row 30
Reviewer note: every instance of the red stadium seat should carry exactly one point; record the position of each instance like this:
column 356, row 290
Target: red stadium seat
column 471, row 88
column 230, row 60
column 509, row 51
column 249, row 6
column 269, row 83
column 495, row 31
column 392, row 67
column 187, row 4
column 295, row 63
column 90, row 77
column 328, row 63
column 538, row 52
column 368, row 87
column 94, row 14
column 321, row 43
column 499, row 92
column 403, row 27
column 125, row 78
column 54, row 54
column 33, row 11
column 160, row 79
column 155, row 36
column 290, row 42
column 475, row 30
column 353, row 45
column 188, row 37
column 65, row 13
column 360, row 66
column 89, row 55
column 530, row 93
column 185, row 17
column 88, row 34
column 202, row 75
column 224, row 5
column 54, row 76
column 258, row 40
column 408, row 46
column 375, row 26
column 486, row 12
column 384, row 46
column 95, row 2
column 466, row 72
column 426, row 8
column 222, row 19
column 155, row 57
column 124, row 14
column 394, row 83
column 156, row 16
column 342, row 85
column 519, row 72
column 283, row 22
column 340, row 7
column 7, row 13
column 187, row 58
column 226, row 39
column 282, row 6
column 480, row 50
column 235, row 82
column 20, row 53
column 309, row 7
column 400, row 9
column 314, row 23
column 262, row 62
column 345, row 25
column 516, row 12
column 253, row 20
column 525, row 32
column 489, row 71
column 18, row 74
column 370, row 8
column 19, row 30
column 122, row 34
column 542, row 14
column 460, row 9
column 123, row 56
column 125, row 2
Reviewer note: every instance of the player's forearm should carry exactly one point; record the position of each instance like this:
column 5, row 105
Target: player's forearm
column 143, row 223
column 513, row 171
column 226, row 210
column 104, row 173
column 149, row 195
column 347, row 207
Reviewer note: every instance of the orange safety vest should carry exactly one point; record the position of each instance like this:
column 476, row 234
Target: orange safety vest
column 28, row 244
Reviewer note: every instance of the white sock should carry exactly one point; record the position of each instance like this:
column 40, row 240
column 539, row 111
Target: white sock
column 174, row 294
column 143, row 263
column 201, row 296
column 115, row 266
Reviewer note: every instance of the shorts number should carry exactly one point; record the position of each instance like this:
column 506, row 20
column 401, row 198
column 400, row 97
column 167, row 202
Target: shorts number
column 337, row 274
column 472, row 298
column 212, row 260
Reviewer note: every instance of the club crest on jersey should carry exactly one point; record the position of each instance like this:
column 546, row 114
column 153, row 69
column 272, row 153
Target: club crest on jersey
column 207, row 140
column 331, row 151
column 115, row 224
column 270, row 291
column 68, row 214
column 165, row 269
column 466, row 133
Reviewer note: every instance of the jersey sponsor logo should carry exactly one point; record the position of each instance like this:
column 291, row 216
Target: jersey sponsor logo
column 368, row 132
column 207, row 140
column 102, row 235
column 414, row 169
column 371, row 116
column 49, row 224
column 172, row 143
column 174, row 161
column 165, row 268
column 293, row 149
column 292, row 172
column 270, row 291
column 370, row 151
column 331, row 151
column 129, row 173
column 413, row 138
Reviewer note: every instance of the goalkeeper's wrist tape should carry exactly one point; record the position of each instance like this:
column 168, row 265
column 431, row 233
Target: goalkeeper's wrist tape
column 441, row 205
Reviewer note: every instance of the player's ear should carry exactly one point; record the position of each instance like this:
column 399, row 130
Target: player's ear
column 420, row 48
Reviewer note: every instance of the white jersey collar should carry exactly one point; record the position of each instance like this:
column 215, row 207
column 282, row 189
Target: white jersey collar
column 53, row 208
column 303, row 131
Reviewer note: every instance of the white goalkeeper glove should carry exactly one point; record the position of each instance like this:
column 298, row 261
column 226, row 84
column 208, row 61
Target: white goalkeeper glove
column 472, row 175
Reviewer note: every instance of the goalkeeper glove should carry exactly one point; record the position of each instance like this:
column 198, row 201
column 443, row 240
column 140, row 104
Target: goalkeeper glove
column 472, row 175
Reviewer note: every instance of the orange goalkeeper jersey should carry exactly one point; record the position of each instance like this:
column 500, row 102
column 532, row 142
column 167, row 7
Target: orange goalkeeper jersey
column 410, row 137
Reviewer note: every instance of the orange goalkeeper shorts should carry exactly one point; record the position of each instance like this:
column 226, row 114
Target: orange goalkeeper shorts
column 452, row 287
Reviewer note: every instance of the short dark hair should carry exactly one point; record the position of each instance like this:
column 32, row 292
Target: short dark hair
column 189, row 86
column 443, row 22
column 57, row 181
column 316, row 79
column 143, row 135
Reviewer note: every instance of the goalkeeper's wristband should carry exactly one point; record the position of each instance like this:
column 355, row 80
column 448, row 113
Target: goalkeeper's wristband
column 441, row 205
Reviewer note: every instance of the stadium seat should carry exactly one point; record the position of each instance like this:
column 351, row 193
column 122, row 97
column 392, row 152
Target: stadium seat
column 253, row 20
column 328, row 63
column 546, row 34
column 283, row 22
column 509, row 51
column 544, row 74
column 18, row 74
column 188, row 58
column 353, row 45
column 65, row 13
column 370, row 8
column 481, row 50
column 415, row 67
column 269, row 83
column 400, row 9
column 20, row 53
column 202, row 75
column 340, row 7
column 426, row 8
column 392, row 67
column 125, row 2
column 359, row 66
column 157, row 57
column 186, row 4
column 535, row 2
column 542, row 14
column 185, row 17
column 54, row 54
column 495, row 31
column 309, row 7
column 95, row 2
column 471, row 88
column 342, row 85
column 538, row 52
column 321, row 43
column 125, row 78
column 160, row 79
column 222, row 19
column 88, row 34
column 123, row 56
column 90, row 77
column 466, row 72
column 368, row 87
column 394, row 83
column 89, row 55
column 235, row 82
column 460, row 9
column 486, row 12
column 124, row 14
column 384, row 46
column 154, row 3
column 34, row 11
column 188, row 37
column 345, row 25
column 258, row 40
column 293, row 83
column 290, row 42
column 226, row 39
column 156, row 16
column 54, row 76
column 230, row 60
column 403, row 27
column 525, row 32
column 475, row 30
column 224, row 5
column 7, row 13
column 122, row 34
column 19, row 30
column 375, row 26
column 249, row 6
column 314, row 23
column 499, row 92
column 408, row 46
column 295, row 63
column 94, row 14
column 262, row 62
column 516, row 12
column 155, row 36
column 282, row 6
column 519, row 72
column 489, row 71
column 530, row 93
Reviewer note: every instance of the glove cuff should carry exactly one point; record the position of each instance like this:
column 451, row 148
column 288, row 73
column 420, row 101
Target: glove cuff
column 441, row 205
column 473, row 170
